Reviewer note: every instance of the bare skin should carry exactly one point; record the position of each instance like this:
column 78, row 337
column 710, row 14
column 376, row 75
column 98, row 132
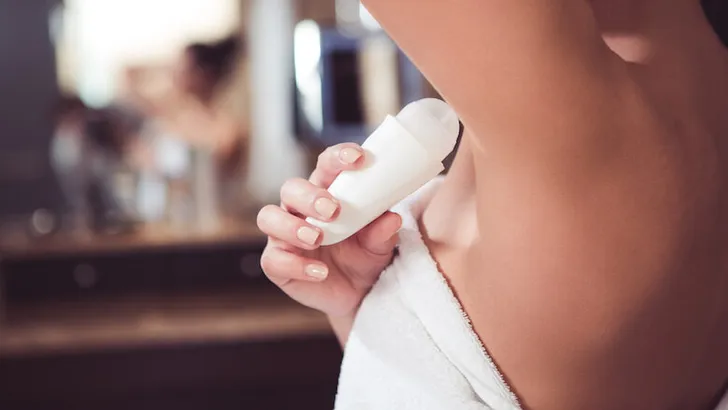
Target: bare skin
column 594, row 170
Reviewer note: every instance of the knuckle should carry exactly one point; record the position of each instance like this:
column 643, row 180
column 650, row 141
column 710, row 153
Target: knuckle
column 286, row 187
column 294, row 189
column 263, row 215
column 299, row 182
column 324, row 159
column 292, row 185
column 321, row 159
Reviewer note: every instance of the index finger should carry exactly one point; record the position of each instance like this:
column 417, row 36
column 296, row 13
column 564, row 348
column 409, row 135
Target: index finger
column 334, row 160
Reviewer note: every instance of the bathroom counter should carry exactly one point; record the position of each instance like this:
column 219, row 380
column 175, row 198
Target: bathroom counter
column 143, row 321
column 151, row 237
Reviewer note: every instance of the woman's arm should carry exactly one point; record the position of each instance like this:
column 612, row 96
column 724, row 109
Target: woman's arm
column 573, row 185
column 530, row 78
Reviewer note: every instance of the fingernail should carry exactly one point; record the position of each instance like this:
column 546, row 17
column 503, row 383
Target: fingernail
column 325, row 207
column 349, row 155
column 307, row 235
column 318, row 272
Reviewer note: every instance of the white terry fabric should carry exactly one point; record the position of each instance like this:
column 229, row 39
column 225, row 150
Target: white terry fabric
column 412, row 347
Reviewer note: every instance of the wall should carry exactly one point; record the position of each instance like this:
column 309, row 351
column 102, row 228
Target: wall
column 101, row 43
column 27, row 92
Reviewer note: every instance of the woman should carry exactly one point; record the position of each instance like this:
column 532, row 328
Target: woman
column 203, row 108
column 583, row 226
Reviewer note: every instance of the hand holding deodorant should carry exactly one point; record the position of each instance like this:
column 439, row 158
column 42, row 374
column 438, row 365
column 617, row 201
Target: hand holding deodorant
column 401, row 156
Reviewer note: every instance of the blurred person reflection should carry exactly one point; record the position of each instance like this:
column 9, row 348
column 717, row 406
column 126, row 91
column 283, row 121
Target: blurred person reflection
column 89, row 155
column 69, row 158
column 199, row 121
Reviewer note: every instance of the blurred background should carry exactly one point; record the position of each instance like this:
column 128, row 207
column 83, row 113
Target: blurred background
column 138, row 139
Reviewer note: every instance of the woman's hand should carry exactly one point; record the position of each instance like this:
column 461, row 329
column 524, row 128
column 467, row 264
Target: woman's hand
column 332, row 279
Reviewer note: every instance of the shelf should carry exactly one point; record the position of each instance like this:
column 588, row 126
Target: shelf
column 154, row 320
column 153, row 237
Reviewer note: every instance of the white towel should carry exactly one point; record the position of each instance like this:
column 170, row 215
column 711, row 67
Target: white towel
column 412, row 347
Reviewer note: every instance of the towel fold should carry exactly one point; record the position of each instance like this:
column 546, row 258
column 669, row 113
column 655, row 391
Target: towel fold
column 411, row 346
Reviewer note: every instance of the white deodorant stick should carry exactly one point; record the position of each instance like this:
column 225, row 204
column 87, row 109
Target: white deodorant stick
column 401, row 156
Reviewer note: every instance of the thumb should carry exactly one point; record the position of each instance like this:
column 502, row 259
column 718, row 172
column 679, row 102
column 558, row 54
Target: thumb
column 380, row 236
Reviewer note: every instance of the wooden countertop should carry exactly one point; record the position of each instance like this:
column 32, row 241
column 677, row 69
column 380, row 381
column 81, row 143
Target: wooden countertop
column 144, row 320
column 152, row 237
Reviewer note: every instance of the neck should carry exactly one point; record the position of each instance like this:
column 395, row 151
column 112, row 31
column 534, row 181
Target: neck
column 640, row 30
